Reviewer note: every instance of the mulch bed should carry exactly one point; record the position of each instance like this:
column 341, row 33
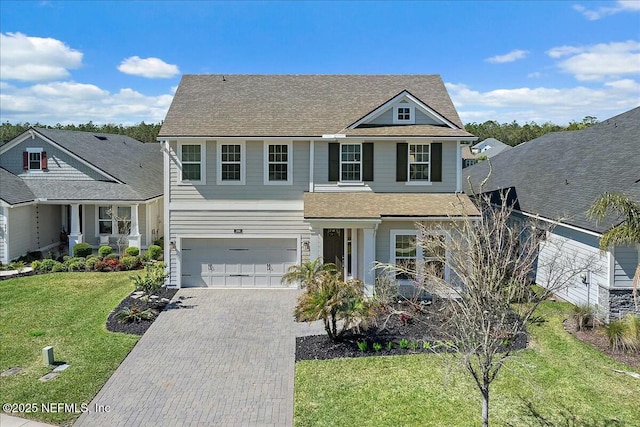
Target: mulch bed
column 139, row 328
column 596, row 338
column 429, row 323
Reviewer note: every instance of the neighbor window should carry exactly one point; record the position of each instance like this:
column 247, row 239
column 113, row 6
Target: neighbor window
column 403, row 114
column 418, row 162
column 405, row 254
column 350, row 162
column 105, row 224
column 192, row 161
column 278, row 163
column 230, row 164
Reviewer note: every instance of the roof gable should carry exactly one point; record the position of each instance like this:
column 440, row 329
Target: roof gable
column 297, row 105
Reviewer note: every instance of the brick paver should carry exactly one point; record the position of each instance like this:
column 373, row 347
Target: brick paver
column 220, row 358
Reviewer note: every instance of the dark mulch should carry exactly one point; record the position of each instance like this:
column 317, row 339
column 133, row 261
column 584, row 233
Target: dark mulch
column 138, row 328
column 417, row 326
column 596, row 338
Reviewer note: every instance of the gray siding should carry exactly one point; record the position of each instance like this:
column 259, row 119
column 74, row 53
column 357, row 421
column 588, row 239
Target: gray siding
column 386, row 118
column 625, row 264
column 254, row 188
column 61, row 165
column 384, row 169
column 571, row 247
column 32, row 228
column 219, row 223
column 3, row 233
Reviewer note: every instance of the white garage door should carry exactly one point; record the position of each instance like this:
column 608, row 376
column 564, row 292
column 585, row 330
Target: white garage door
column 239, row 263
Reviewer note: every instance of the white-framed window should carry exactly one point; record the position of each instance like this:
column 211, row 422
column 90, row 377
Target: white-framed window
column 406, row 253
column 278, row 163
column 350, row 162
column 404, row 114
column 113, row 220
column 34, row 159
column 231, row 163
column 419, row 162
column 433, row 254
column 192, row 157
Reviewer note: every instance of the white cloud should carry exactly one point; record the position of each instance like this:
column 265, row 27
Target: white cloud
column 601, row 12
column 512, row 56
column 71, row 102
column 600, row 61
column 534, row 75
column 542, row 104
column 35, row 58
column 153, row 68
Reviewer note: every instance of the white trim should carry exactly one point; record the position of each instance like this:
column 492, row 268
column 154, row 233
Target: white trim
column 312, row 147
column 238, row 205
column 432, row 218
column 611, row 267
column 360, row 162
column 289, row 163
column 243, row 163
column 115, row 232
column 203, row 163
column 305, row 138
column 458, row 167
column 562, row 224
column 4, row 226
column 417, row 181
column 165, row 206
column 412, row 114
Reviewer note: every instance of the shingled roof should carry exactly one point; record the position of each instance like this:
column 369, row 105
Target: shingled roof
column 13, row 189
column 299, row 105
column 559, row 175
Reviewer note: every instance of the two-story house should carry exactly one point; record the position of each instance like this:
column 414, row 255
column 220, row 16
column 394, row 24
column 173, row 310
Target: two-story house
column 266, row 171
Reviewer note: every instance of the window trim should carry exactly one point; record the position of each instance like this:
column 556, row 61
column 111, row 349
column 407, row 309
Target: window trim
column 243, row 163
column 409, row 162
column 412, row 114
column 32, row 150
column 115, row 229
column 420, row 258
column 360, row 162
column 289, row 163
column 203, row 163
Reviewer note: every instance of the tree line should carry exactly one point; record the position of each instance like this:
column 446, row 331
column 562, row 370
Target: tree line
column 510, row 133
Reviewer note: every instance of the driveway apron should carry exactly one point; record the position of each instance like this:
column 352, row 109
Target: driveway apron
column 214, row 357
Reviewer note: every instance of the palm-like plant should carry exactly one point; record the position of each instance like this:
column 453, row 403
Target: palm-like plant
column 627, row 232
column 307, row 272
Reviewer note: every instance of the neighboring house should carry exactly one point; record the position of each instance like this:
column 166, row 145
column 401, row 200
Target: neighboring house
column 557, row 177
column 488, row 148
column 266, row 171
column 57, row 188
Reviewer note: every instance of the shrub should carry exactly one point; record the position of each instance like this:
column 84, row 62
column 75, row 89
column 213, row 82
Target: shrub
column 49, row 265
column 101, row 265
column 111, row 257
column 17, row 265
column 159, row 242
column 35, row 265
column 113, row 264
column 75, row 264
column 153, row 278
column 624, row 334
column 583, row 315
column 135, row 314
column 29, row 257
column 130, row 262
column 90, row 263
column 58, row 267
column 153, row 252
column 104, row 250
column 82, row 250
column 615, row 334
column 132, row 250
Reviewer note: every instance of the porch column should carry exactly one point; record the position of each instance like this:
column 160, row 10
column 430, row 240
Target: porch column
column 354, row 253
column 369, row 256
column 75, row 236
column 134, row 234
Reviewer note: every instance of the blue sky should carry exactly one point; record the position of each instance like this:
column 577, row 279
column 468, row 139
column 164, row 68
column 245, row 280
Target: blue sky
column 120, row 62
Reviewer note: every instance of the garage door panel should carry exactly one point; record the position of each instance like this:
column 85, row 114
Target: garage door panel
column 238, row 262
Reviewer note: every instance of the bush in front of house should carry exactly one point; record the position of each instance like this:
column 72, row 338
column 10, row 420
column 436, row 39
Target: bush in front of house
column 82, row 250
column 75, row 263
column 130, row 262
column 90, row 263
column 153, row 252
column 104, row 250
column 132, row 250
column 153, row 278
column 48, row 266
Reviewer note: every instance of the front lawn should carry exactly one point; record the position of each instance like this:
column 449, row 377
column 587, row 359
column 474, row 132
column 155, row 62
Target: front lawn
column 564, row 380
column 67, row 311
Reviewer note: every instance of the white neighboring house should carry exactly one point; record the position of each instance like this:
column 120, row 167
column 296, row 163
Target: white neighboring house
column 557, row 177
column 488, row 148
column 266, row 171
column 56, row 187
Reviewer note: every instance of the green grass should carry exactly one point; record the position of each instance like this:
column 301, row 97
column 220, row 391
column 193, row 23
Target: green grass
column 566, row 381
column 67, row 311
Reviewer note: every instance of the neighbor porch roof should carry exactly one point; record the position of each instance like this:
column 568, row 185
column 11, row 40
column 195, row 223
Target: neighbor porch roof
column 384, row 205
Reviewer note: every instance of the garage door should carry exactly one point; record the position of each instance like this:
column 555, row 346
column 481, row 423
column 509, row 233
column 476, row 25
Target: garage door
column 238, row 263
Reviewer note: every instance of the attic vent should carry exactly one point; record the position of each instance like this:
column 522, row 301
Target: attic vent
column 100, row 137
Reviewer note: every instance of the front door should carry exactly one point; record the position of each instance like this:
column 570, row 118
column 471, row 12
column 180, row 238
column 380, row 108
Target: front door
column 333, row 246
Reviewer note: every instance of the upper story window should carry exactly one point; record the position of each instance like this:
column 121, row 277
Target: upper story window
column 351, row 162
column 404, row 114
column 231, row 164
column 419, row 162
column 278, row 164
column 34, row 159
column 192, row 161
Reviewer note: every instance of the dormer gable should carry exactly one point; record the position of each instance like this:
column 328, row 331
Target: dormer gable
column 402, row 109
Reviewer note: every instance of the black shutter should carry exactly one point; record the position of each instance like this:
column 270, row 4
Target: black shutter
column 436, row 161
column 367, row 161
column 334, row 162
column 402, row 159
column 44, row 164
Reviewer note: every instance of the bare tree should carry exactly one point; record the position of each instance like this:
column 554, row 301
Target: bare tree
column 123, row 224
column 490, row 264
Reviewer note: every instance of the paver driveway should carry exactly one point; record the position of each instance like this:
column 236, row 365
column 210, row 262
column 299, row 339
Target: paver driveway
column 220, row 358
